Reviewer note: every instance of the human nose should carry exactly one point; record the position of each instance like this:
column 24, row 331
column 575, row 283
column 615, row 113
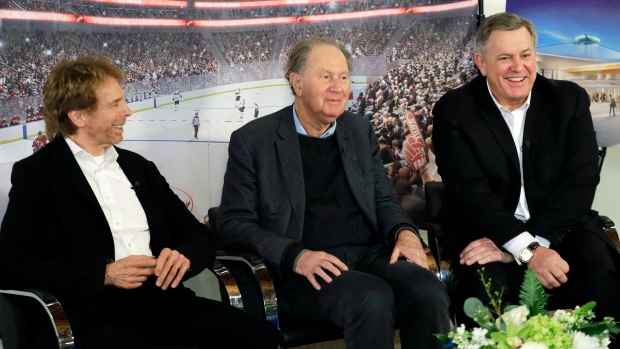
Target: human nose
column 517, row 64
column 336, row 85
column 126, row 111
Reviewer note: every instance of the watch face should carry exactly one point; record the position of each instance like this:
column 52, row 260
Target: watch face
column 526, row 255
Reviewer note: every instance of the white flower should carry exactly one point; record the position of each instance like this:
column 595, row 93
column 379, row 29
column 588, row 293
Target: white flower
column 583, row 341
column 518, row 316
column 478, row 334
column 533, row 345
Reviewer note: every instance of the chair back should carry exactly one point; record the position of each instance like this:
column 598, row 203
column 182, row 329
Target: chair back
column 434, row 194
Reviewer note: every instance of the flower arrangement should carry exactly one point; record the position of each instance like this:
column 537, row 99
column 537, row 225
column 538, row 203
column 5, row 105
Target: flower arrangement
column 529, row 325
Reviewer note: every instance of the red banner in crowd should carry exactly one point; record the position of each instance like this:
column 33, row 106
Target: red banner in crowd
column 414, row 146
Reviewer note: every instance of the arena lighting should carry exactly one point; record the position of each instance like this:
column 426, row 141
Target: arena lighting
column 218, row 23
column 36, row 15
column 135, row 22
column 352, row 15
column 155, row 3
column 258, row 4
column 443, row 7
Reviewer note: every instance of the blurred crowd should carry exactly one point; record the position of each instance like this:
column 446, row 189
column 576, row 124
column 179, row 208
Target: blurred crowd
column 400, row 104
column 246, row 46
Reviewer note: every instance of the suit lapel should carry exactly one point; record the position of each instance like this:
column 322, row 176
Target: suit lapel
column 135, row 175
column 290, row 164
column 66, row 162
column 534, row 125
column 350, row 161
column 494, row 119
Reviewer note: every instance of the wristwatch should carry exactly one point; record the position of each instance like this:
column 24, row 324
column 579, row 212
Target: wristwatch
column 526, row 254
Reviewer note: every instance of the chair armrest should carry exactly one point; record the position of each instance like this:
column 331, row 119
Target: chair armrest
column 51, row 306
column 442, row 258
column 248, row 284
column 610, row 229
column 607, row 222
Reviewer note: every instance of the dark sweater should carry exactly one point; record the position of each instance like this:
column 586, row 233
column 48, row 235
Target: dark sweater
column 332, row 217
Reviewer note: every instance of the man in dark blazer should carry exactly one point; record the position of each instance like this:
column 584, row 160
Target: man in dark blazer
column 112, row 241
column 305, row 188
column 518, row 155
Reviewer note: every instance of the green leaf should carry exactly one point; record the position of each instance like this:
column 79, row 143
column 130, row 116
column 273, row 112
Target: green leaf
column 533, row 294
column 583, row 310
column 503, row 345
column 597, row 328
column 473, row 308
column 511, row 330
column 499, row 337
column 525, row 332
column 443, row 338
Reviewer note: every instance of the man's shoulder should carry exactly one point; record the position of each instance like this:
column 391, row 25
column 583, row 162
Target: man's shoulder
column 348, row 119
column 556, row 86
column 130, row 155
column 467, row 91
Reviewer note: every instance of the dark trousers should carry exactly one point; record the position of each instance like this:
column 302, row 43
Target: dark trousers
column 368, row 299
column 146, row 316
column 593, row 276
column 196, row 131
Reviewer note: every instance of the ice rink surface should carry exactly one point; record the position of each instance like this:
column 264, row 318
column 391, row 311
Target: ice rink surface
column 193, row 168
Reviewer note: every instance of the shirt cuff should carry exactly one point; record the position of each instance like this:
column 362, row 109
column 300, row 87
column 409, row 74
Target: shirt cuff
column 521, row 241
column 400, row 227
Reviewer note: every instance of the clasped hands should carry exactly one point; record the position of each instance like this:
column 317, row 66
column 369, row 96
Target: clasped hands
column 130, row 272
column 550, row 268
column 316, row 263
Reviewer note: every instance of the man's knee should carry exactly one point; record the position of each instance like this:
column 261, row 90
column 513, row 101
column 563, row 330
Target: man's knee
column 371, row 300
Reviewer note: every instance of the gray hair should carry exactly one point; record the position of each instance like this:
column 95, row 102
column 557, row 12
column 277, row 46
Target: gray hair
column 298, row 59
column 502, row 21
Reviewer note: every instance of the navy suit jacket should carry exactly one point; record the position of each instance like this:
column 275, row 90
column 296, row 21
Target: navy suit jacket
column 479, row 165
column 263, row 199
column 55, row 235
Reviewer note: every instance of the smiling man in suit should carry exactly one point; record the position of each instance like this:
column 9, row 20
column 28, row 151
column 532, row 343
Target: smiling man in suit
column 518, row 156
column 305, row 188
column 114, row 243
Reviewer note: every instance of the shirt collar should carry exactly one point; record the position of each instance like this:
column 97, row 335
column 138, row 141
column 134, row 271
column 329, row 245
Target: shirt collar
column 525, row 105
column 109, row 154
column 300, row 129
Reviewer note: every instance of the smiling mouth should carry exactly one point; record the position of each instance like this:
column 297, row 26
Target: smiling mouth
column 516, row 79
column 118, row 127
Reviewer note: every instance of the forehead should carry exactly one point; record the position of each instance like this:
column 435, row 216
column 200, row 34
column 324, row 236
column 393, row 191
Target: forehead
column 517, row 40
column 327, row 58
column 109, row 90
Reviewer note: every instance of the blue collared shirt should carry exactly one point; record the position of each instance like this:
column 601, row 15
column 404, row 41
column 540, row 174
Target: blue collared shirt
column 300, row 129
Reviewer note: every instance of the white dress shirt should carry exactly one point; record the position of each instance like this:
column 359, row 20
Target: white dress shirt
column 118, row 200
column 516, row 121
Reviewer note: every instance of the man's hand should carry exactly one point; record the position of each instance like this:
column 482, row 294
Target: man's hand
column 315, row 262
column 409, row 246
column 129, row 272
column 170, row 269
column 550, row 268
column 483, row 251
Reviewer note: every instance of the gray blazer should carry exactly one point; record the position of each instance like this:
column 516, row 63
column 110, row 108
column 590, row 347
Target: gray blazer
column 263, row 199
